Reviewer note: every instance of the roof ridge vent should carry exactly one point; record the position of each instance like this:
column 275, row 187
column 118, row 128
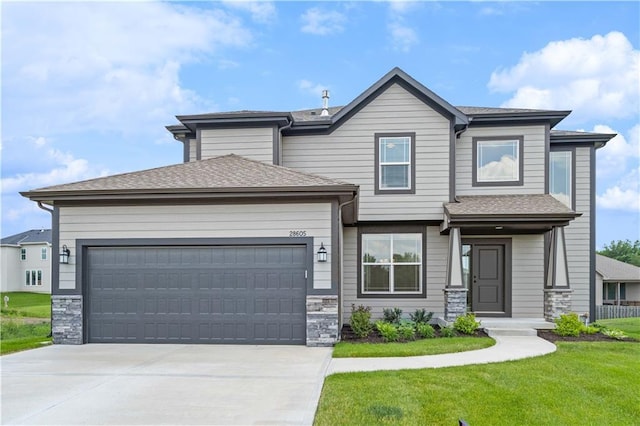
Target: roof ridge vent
column 325, row 104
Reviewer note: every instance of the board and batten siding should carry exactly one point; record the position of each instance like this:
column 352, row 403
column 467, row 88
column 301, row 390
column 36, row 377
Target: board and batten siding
column 197, row 221
column 527, row 276
column 255, row 143
column 193, row 149
column 577, row 235
column 534, row 160
column 348, row 154
column 436, row 261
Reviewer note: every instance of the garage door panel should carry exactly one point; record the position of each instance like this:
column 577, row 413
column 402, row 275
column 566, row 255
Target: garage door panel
column 197, row 294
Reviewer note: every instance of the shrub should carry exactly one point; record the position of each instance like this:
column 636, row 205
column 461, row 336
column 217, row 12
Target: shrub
column 392, row 315
column 389, row 332
column 466, row 324
column 447, row 331
column 425, row 331
column 591, row 329
column 407, row 330
column 614, row 333
column 361, row 320
column 568, row 325
column 421, row 316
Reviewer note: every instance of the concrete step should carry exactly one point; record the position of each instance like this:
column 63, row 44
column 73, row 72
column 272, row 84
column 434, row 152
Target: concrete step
column 496, row 331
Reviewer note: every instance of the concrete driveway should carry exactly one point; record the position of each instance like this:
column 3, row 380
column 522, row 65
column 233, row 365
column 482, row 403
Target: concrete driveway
column 117, row 384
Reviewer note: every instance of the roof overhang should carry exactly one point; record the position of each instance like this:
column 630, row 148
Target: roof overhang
column 234, row 119
column 581, row 138
column 497, row 118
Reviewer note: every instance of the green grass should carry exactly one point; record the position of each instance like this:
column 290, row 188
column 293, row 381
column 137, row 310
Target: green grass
column 418, row 347
column 27, row 305
column 15, row 336
column 592, row 383
column 630, row 326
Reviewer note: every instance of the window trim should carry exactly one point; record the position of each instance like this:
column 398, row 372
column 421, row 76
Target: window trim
column 397, row 229
column 572, row 150
column 43, row 253
column 23, row 254
column 33, row 277
column 412, row 166
column 474, row 165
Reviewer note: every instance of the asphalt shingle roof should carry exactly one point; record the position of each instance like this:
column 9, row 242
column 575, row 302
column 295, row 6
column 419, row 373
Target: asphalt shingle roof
column 614, row 270
column 30, row 236
column 511, row 205
column 219, row 173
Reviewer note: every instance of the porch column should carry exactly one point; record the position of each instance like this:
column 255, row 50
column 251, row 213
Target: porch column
column 455, row 293
column 557, row 292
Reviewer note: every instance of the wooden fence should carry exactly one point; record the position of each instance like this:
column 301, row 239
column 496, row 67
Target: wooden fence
column 613, row 311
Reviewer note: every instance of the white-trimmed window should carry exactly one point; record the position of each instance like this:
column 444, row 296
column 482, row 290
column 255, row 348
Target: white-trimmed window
column 43, row 253
column 33, row 277
column 497, row 161
column 561, row 176
column 395, row 163
column 391, row 263
column 23, row 254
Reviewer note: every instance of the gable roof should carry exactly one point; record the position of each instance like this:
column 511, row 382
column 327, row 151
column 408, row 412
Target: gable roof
column 32, row 236
column 219, row 175
column 614, row 270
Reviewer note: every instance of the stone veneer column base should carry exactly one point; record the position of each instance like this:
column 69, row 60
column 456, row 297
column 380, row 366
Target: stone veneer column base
column 455, row 303
column 322, row 320
column 66, row 320
column 556, row 302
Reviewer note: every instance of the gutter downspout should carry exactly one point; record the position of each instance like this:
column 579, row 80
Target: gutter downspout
column 51, row 269
column 341, row 263
column 285, row 127
column 452, row 164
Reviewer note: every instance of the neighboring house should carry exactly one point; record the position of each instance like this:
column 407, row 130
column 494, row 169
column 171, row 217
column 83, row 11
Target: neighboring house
column 277, row 222
column 617, row 283
column 26, row 262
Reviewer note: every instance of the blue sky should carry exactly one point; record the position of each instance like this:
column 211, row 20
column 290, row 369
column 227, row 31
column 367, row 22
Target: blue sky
column 88, row 87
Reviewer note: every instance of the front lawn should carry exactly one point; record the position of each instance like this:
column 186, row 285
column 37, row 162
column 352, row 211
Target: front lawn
column 419, row 347
column 593, row 382
column 630, row 326
column 23, row 304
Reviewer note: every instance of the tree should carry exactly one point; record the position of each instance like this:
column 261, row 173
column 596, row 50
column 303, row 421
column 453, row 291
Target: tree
column 624, row 251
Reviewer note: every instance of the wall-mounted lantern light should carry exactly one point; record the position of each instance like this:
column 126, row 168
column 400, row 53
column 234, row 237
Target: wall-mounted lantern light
column 64, row 254
column 322, row 253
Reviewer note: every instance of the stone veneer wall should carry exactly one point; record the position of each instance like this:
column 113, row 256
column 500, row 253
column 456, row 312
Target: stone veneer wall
column 322, row 320
column 556, row 303
column 66, row 320
column 455, row 303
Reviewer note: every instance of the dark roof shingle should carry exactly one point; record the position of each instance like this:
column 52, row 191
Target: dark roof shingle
column 614, row 270
column 30, row 236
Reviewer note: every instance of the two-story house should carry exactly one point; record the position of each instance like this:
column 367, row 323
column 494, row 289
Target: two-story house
column 25, row 262
column 277, row 222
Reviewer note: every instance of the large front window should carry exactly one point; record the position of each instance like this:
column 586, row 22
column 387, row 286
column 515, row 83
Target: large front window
column 561, row 176
column 497, row 161
column 394, row 163
column 392, row 263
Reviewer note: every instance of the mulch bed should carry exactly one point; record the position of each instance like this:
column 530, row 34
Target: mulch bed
column 597, row 337
column 374, row 337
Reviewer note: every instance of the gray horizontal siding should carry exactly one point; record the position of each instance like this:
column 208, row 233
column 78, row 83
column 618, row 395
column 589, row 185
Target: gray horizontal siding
column 199, row 221
column 534, row 160
column 348, row 154
column 253, row 143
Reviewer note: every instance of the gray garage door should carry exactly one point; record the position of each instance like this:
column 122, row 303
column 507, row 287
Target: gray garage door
column 231, row 294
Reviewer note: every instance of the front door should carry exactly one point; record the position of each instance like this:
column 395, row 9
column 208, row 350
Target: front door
column 487, row 279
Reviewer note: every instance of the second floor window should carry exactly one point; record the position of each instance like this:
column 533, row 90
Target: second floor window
column 43, row 253
column 497, row 161
column 561, row 176
column 23, row 254
column 395, row 163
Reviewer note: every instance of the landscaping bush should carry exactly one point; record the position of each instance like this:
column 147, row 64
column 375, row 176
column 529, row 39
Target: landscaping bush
column 569, row 325
column 421, row 316
column 388, row 331
column 392, row 315
column 466, row 324
column 614, row 333
column 407, row 330
column 591, row 329
column 425, row 331
column 361, row 320
column 448, row 331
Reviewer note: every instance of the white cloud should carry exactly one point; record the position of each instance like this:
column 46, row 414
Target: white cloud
column 85, row 65
column 502, row 170
column 625, row 195
column 68, row 169
column 402, row 36
column 597, row 77
column 615, row 155
column 261, row 11
column 311, row 88
column 322, row 22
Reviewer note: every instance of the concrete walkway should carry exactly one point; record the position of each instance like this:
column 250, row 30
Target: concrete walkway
column 507, row 348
